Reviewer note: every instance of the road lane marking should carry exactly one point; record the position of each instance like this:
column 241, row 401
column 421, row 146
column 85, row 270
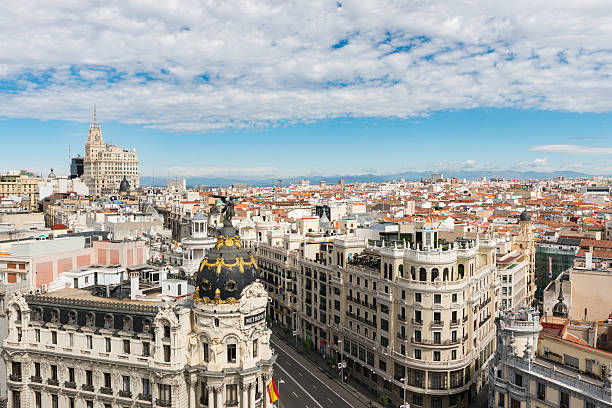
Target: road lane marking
column 314, row 376
column 302, row 388
column 294, row 394
column 301, row 375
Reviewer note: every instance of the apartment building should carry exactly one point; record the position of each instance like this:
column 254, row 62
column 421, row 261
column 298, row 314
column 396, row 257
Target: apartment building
column 21, row 184
column 412, row 317
column 550, row 362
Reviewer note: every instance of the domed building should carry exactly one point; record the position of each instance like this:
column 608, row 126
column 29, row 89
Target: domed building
column 124, row 186
column 209, row 348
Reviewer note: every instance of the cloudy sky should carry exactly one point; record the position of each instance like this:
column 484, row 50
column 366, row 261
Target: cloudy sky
column 309, row 87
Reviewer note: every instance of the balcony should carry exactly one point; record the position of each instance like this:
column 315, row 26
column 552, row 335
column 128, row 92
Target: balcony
column 125, row 394
column 483, row 321
column 53, row 382
column 434, row 343
column 70, row 384
column 402, row 336
column 417, row 322
column 231, row 403
column 106, row 390
column 163, row 403
column 437, row 323
column 15, row 377
column 36, row 379
column 87, row 387
column 401, row 318
column 455, row 322
column 144, row 397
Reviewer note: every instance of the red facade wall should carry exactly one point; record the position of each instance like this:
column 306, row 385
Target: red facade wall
column 130, row 257
column 83, row 260
column 64, row 265
column 102, row 256
column 114, row 256
column 44, row 273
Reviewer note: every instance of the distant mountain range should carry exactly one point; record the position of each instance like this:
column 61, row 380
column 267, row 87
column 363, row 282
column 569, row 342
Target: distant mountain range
column 365, row 178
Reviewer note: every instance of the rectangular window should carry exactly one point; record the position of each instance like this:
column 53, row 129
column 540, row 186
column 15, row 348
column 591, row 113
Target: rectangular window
column 417, row 400
column 453, row 354
column 89, row 377
column 541, row 391
column 167, row 331
column 437, row 298
column 89, row 342
column 37, row 369
column 71, row 374
column 53, row 372
column 38, row 399
column 126, row 383
column 107, row 341
column 437, row 337
column 518, row 380
column 165, row 393
column 70, row 339
column 417, row 336
column 37, row 333
column 417, row 354
column 146, row 387
column 166, row 353
column 231, row 353
column 231, row 394
column 16, row 399
column 514, row 403
column 454, row 298
column 255, row 348
column 53, row 337
column 126, row 346
column 54, row 401
column 107, row 380
column 70, row 402
column 564, row 400
column 418, row 298
column 145, row 349
column 436, row 356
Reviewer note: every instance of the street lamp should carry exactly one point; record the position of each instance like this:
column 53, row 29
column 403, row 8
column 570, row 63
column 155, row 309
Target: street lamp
column 404, row 405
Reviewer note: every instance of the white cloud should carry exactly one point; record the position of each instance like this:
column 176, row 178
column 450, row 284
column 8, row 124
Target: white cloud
column 244, row 63
column 572, row 149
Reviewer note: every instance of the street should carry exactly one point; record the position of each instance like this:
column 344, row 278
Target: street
column 305, row 385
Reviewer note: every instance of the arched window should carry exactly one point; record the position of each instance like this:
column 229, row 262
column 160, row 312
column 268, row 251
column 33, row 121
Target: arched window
column 434, row 274
column 460, row 270
column 390, row 271
column 401, row 270
column 445, row 275
column 413, row 273
column 385, row 268
column 422, row 275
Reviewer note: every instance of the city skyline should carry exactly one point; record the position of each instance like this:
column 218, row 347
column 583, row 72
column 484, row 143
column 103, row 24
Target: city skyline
column 334, row 87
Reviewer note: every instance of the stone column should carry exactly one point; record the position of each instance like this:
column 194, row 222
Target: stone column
column 192, row 392
column 244, row 401
column 266, row 399
column 219, row 392
column 211, row 396
column 252, row 395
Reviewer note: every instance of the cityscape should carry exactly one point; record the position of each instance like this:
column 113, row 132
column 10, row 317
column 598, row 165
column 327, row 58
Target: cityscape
column 310, row 205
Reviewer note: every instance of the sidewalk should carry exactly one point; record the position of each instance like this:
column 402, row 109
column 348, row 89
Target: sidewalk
column 317, row 360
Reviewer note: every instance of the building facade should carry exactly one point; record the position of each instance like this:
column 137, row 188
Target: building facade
column 79, row 348
column 416, row 318
column 535, row 365
column 105, row 166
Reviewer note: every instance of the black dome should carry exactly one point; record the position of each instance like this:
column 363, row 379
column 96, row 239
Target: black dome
column 560, row 309
column 525, row 216
column 226, row 270
column 124, row 187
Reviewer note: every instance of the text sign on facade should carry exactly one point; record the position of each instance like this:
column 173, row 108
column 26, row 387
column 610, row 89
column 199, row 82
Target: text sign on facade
column 254, row 318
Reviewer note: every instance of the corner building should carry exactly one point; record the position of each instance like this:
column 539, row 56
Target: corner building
column 71, row 348
column 415, row 316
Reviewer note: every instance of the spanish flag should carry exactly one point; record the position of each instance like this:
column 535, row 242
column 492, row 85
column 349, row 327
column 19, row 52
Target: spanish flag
column 273, row 392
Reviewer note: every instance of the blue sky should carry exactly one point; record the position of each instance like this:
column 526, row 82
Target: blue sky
column 477, row 139
column 259, row 88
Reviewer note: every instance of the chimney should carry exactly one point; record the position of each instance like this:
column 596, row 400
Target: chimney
column 589, row 260
column 134, row 284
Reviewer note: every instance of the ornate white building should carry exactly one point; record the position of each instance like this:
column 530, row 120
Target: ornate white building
column 106, row 166
column 101, row 347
